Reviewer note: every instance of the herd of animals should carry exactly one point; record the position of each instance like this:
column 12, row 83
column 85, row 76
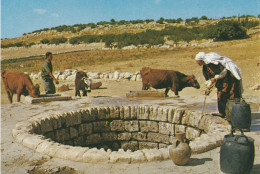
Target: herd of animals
column 21, row 84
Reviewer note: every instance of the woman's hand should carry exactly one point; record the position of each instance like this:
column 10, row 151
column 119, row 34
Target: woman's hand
column 213, row 80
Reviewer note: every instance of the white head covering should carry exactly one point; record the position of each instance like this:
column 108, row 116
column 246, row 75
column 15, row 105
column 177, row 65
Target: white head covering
column 216, row 59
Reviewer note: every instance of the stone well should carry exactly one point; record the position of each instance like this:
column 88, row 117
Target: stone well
column 119, row 134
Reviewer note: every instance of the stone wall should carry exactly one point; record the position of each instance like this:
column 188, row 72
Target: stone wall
column 125, row 133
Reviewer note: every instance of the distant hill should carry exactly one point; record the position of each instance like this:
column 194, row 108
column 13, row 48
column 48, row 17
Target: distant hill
column 65, row 34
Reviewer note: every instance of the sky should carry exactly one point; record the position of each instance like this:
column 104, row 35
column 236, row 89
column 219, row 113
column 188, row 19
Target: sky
column 24, row 16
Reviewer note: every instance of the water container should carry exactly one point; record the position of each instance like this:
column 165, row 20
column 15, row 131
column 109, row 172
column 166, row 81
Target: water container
column 229, row 106
column 237, row 154
column 241, row 115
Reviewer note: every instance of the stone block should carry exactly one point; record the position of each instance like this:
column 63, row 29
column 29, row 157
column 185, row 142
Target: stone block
column 131, row 126
column 153, row 154
column 93, row 114
column 121, row 112
column 62, row 135
column 86, row 116
column 102, row 113
column 117, row 125
column 177, row 117
column 186, row 117
column 149, row 126
column 124, row 136
column 145, row 94
column 120, row 156
column 85, row 129
column 57, row 121
column 179, row 128
column 73, row 118
column 139, row 136
column 165, row 152
column 94, row 156
column 47, row 98
column 144, row 113
column 127, row 112
column 194, row 119
column 137, row 156
column 79, row 141
column 166, row 128
column 159, row 138
column 153, row 114
column 71, row 153
column 101, row 126
column 109, row 136
column 46, row 125
column 48, row 148
column 162, row 114
column 148, row 145
column 133, row 112
column 192, row 133
column 50, row 135
column 93, row 139
column 114, row 112
column 32, row 141
column 129, row 145
column 162, row 145
column 170, row 115
column 36, row 128
column 73, row 132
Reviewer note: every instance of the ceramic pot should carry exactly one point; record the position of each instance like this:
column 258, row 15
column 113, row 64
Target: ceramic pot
column 180, row 150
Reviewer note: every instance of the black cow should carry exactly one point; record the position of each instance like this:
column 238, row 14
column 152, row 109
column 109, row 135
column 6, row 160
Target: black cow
column 83, row 83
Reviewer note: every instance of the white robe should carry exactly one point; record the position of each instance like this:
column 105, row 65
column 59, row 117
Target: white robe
column 225, row 61
column 215, row 58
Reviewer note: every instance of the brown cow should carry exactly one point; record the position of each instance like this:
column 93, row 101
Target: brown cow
column 168, row 79
column 83, row 83
column 20, row 84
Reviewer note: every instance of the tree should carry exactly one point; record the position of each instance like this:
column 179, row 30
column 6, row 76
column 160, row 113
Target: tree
column 160, row 21
column 113, row 21
column 204, row 18
column 226, row 30
column 179, row 20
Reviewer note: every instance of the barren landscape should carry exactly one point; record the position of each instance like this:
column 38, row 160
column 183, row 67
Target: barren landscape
column 18, row 159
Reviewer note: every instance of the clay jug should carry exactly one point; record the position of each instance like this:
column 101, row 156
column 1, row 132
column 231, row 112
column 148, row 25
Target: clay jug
column 180, row 150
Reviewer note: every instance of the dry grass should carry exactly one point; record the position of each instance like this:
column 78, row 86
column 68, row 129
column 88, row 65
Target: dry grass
column 244, row 52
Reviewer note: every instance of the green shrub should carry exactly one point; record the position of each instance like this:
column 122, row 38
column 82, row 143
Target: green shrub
column 226, row 30
column 45, row 41
column 58, row 41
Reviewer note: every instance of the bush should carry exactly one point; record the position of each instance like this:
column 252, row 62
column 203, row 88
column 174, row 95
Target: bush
column 45, row 41
column 58, row 41
column 226, row 30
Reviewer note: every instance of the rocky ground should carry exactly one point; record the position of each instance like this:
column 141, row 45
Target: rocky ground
column 15, row 158
column 18, row 159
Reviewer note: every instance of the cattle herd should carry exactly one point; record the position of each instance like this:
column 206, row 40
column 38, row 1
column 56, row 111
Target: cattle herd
column 21, row 84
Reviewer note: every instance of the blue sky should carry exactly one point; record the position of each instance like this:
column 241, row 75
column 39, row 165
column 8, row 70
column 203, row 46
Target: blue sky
column 24, row 16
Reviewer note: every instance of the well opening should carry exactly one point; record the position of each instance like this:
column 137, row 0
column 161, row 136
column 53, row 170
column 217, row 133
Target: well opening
column 128, row 128
column 120, row 133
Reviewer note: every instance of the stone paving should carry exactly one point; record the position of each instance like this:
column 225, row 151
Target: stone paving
column 16, row 158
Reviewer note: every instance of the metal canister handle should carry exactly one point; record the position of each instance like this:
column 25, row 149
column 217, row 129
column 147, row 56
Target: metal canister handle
column 242, row 134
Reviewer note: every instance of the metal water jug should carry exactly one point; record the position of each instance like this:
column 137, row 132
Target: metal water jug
column 241, row 115
column 237, row 154
column 229, row 106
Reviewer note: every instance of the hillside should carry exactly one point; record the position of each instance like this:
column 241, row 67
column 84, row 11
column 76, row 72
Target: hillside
column 123, row 36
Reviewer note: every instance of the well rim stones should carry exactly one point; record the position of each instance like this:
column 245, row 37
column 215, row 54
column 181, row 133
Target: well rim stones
column 205, row 132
